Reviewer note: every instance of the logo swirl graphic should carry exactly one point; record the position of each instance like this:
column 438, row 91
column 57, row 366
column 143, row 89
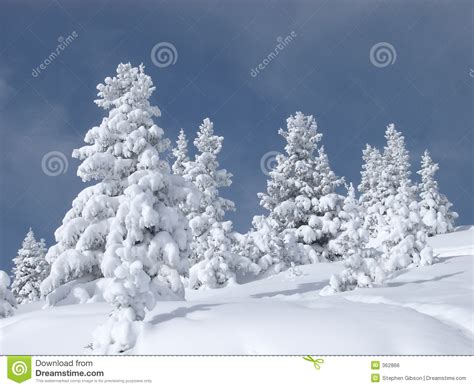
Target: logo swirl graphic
column 164, row 54
column 19, row 368
column 383, row 54
column 268, row 162
column 54, row 163
column 163, row 165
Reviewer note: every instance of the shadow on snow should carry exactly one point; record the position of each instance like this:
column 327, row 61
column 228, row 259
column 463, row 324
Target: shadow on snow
column 421, row 281
column 301, row 289
column 180, row 312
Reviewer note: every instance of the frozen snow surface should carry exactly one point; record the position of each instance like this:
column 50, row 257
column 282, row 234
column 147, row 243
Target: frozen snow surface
column 424, row 310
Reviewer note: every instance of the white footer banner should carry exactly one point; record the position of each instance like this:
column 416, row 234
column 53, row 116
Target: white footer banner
column 237, row 371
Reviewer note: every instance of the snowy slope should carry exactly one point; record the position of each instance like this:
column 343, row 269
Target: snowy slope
column 426, row 310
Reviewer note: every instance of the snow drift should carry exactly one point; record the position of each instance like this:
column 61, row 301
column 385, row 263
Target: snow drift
column 424, row 310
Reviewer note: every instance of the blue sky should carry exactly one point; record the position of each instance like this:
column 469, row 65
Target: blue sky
column 325, row 70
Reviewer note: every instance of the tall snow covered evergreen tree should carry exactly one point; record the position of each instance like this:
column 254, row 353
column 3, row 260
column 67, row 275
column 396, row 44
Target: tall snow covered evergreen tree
column 395, row 170
column 205, row 174
column 213, row 260
column 301, row 192
column 392, row 211
column 400, row 229
column 434, row 206
column 147, row 251
column 382, row 176
column 180, row 152
column 115, row 150
column 147, row 246
column 7, row 300
column 370, row 173
column 30, row 269
column 370, row 178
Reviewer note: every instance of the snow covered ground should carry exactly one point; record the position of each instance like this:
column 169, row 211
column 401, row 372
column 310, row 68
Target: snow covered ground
column 427, row 310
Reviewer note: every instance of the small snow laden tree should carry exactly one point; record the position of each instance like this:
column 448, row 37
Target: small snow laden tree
column 30, row 269
column 402, row 234
column 7, row 300
column 180, row 152
column 362, row 268
column 434, row 206
column 270, row 250
column 115, row 150
column 147, row 246
column 301, row 192
column 220, row 263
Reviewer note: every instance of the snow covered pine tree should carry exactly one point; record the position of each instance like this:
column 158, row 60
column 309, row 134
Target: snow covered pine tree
column 147, row 245
column 30, row 269
column 213, row 260
column 180, row 152
column 203, row 171
column 401, row 233
column 113, row 153
column 7, row 300
column 434, row 206
column 391, row 213
column 270, row 250
column 362, row 267
column 220, row 263
column 370, row 197
column 301, row 194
